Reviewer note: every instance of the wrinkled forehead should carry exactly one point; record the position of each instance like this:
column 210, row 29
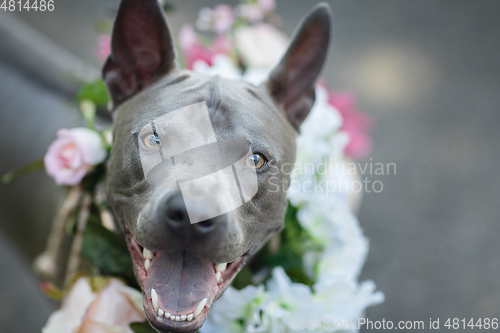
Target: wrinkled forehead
column 203, row 110
column 228, row 103
column 166, row 96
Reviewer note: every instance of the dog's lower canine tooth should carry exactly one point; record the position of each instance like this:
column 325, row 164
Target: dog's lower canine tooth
column 167, row 315
column 221, row 267
column 190, row 317
column 183, row 318
column 154, row 299
column 200, row 307
column 218, row 276
column 147, row 254
column 147, row 263
column 160, row 312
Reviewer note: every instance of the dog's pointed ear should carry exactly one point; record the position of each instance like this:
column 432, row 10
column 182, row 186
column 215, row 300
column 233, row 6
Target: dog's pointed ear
column 292, row 82
column 142, row 49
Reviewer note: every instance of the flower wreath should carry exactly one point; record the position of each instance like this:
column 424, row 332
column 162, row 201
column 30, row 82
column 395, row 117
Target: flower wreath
column 305, row 275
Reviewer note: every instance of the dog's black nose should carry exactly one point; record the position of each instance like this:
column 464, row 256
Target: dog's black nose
column 176, row 211
column 177, row 218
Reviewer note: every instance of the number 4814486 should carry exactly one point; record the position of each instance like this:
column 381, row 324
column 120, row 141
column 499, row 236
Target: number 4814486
column 481, row 323
column 20, row 5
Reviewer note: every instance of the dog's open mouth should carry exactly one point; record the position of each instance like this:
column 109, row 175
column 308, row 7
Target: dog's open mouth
column 179, row 288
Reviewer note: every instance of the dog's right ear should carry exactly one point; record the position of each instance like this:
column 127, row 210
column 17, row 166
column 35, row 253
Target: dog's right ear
column 142, row 49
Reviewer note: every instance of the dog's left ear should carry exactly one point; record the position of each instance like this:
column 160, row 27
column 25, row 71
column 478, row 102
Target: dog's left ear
column 142, row 49
column 292, row 82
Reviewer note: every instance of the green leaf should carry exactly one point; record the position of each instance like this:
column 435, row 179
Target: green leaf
column 33, row 166
column 295, row 241
column 94, row 91
column 143, row 327
column 243, row 279
column 107, row 251
column 93, row 178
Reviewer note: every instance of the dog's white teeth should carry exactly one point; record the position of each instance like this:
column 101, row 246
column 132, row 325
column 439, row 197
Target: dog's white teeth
column 147, row 254
column 221, row 267
column 147, row 263
column 154, row 299
column 184, row 317
column 200, row 307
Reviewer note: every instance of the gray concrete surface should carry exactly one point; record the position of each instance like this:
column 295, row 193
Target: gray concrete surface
column 428, row 72
column 29, row 117
column 23, row 307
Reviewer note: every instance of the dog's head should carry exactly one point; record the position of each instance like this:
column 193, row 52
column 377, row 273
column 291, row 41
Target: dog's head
column 200, row 165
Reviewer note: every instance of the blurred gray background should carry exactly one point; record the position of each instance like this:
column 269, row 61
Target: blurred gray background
column 427, row 71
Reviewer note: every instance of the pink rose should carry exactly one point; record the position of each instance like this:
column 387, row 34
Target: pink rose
column 109, row 310
column 193, row 48
column 73, row 154
column 357, row 124
column 198, row 52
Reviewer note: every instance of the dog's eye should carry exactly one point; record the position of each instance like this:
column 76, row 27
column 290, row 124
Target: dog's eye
column 256, row 161
column 152, row 141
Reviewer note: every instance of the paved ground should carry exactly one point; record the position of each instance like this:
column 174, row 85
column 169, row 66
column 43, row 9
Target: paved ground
column 427, row 71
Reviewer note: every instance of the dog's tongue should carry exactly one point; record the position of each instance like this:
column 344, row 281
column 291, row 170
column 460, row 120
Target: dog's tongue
column 181, row 281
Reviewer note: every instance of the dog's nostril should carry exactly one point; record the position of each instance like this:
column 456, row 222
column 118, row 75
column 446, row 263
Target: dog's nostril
column 176, row 215
column 206, row 225
column 176, row 210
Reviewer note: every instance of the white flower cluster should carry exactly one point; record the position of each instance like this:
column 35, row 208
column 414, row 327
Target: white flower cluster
column 329, row 220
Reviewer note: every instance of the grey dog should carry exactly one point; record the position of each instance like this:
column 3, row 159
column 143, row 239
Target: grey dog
column 181, row 266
